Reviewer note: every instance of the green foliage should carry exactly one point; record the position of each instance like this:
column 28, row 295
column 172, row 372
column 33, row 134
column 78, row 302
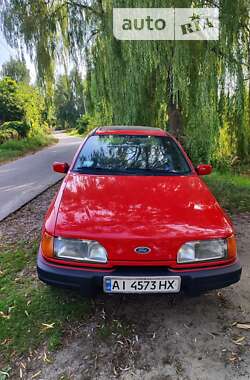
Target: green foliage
column 86, row 123
column 8, row 134
column 21, row 108
column 11, row 106
column 83, row 124
column 33, row 106
column 16, row 70
column 21, row 127
column 132, row 82
column 69, row 100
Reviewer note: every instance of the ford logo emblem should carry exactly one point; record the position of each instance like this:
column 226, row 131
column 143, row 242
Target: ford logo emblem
column 142, row 250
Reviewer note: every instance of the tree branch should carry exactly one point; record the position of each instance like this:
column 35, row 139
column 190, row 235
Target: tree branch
column 84, row 6
column 93, row 33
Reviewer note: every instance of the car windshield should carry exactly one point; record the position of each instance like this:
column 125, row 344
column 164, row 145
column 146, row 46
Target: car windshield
column 131, row 154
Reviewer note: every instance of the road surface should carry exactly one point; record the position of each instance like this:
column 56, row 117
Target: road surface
column 27, row 177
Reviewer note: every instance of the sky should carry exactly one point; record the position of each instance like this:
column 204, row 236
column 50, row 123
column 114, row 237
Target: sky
column 6, row 52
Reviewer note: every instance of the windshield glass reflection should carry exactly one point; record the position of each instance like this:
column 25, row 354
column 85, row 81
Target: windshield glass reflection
column 131, row 154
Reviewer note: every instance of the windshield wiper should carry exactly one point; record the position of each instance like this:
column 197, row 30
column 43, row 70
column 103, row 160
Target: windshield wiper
column 126, row 170
column 156, row 171
column 94, row 169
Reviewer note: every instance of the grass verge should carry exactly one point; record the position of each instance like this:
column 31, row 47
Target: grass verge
column 231, row 190
column 32, row 313
column 17, row 148
column 74, row 132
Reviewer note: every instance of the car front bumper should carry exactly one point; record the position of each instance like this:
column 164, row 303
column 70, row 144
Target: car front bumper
column 90, row 282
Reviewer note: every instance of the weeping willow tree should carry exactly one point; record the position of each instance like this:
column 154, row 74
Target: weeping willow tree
column 199, row 90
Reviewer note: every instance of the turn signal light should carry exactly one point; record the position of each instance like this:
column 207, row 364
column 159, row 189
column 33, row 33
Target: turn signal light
column 231, row 247
column 47, row 245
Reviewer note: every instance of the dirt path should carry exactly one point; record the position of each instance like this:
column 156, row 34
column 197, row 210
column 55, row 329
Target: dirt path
column 156, row 337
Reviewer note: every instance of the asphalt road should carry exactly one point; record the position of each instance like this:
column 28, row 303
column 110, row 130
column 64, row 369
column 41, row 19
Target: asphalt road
column 27, row 177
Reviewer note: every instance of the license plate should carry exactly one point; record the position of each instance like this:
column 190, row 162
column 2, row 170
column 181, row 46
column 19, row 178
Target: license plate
column 119, row 284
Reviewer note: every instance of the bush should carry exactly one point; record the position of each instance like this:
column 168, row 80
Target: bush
column 8, row 134
column 11, row 104
column 83, row 123
column 21, row 127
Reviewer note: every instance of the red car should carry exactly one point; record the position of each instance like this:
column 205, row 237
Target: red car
column 133, row 216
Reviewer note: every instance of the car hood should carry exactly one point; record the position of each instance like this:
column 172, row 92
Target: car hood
column 124, row 212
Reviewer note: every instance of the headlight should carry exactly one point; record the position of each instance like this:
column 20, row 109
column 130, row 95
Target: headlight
column 203, row 250
column 81, row 250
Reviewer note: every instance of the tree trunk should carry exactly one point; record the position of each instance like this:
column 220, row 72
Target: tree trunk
column 175, row 121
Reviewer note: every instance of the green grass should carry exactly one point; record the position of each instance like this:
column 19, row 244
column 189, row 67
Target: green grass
column 13, row 149
column 30, row 312
column 74, row 132
column 231, row 190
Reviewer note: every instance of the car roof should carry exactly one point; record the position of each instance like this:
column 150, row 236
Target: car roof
column 130, row 130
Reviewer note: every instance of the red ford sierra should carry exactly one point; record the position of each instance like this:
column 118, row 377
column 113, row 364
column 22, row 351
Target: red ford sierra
column 133, row 216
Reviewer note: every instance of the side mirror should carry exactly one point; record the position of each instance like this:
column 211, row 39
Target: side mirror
column 204, row 169
column 60, row 167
